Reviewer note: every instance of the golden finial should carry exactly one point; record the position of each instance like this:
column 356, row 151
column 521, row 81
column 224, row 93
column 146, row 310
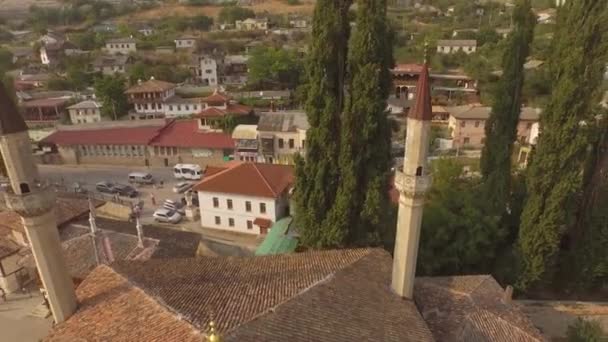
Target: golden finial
column 213, row 336
column 426, row 51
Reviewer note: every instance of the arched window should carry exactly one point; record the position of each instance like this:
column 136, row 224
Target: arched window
column 419, row 171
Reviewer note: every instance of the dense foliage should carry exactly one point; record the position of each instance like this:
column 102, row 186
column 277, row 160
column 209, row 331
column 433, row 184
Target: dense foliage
column 555, row 172
column 271, row 67
column 230, row 14
column 110, row 90
column 501, row 127
column 585, row 331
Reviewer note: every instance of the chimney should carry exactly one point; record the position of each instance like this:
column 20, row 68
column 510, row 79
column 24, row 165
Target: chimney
column 507, row 296
column 412, row 184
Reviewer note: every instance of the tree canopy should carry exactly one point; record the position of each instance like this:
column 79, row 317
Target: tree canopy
column 110, row 90
column 272, row 66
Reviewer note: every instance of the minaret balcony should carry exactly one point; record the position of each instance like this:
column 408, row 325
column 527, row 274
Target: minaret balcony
column 35, row 203
column 412, row 186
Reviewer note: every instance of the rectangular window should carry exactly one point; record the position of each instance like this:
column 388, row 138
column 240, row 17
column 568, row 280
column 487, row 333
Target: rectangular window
column 467, row 140
column 249, row 224
column 303, row 143
column 291, row 143
column 476, row 123
column 170, row 107
column 229, row 204
column 281, row 143
column 248, row 206
column 187, row 107
column 174, row 150
column 263, row 208
column 216, row 202
column 179, row 107
column 529, row 125
column 218, row 221
column 463, row 123
column 156, row 150
column 231, row 222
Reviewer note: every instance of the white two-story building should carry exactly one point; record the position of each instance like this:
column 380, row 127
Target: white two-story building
column 244, row 197
column 123, row 46
column 148, row 97
column 85, row 112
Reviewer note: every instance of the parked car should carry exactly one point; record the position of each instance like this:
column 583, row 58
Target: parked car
column 140, row 178
column 126, row 190
column 174, row 206
column 106, row 187
column 167, row 216
column 182, row 187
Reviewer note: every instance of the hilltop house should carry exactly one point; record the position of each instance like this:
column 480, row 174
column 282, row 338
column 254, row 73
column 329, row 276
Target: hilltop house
column 252, row 24
column 244, row 197
column 454, row 45
column 185, row 42
column 85, row 112
column 110, row 65
column 123, row 46
column 206, row 70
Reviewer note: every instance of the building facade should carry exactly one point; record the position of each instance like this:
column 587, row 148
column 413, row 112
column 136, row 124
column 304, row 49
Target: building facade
column 123, row 46
column 467, row 125
column 85, row 112
column 149, row 97
column 456, row 45
column 207, row 71
column 245, row 197
column 251, row 24
column 281, row 135
column 185, row 43
column 111, row 65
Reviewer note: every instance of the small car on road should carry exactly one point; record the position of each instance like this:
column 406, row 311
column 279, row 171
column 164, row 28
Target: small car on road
column 182, row 187
column 126, row 190
column 167, row 216
column 106, row 187
column 174, row 206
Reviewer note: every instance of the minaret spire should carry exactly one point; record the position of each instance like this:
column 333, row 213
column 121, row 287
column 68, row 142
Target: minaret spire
column 413, row 184
column 34, row 203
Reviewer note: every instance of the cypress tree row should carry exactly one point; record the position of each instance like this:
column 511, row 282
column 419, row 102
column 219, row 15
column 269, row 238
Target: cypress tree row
column 362, row 196
column 555, row 173
column 501, row 127
column 317, row 177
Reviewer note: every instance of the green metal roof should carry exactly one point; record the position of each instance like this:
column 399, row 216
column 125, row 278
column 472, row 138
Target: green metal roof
column 277, row 240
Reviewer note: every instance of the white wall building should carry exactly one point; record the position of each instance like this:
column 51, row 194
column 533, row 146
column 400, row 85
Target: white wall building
column 207, row 73
column 251, row 24
column 455, row 45
column 122, row 46
column 85, row 112
column 185, row 43
column 149, row 97
column 282, row 135
column 244, row 197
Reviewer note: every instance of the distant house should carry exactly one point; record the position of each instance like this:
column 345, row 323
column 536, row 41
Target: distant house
column 298, row 23
column 51, row 53
column 110, row 65
column 122, row 46
column 454, row 45
column 105, row 28
column 467, row 123
column 252, row 24
column 207, row 71
column 22, row 54
column 244, row 197
column 185, row 42
column 146, row 30
column 52, row 37
column 148, row 97
column 85, row 112
column 282, row 135
column 233, row 70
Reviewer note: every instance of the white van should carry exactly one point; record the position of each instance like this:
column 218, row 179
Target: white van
column 140, row 178
column 187, row 171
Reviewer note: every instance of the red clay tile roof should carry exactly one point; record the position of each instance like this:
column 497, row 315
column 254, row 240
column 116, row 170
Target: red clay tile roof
column 66, row 209
column 150, row 86
column 250, row 179
column 216, row 97
column 104, row 136
column 469, row 308
column 45, row 103
column 186, row 134
column 112, row 309
column 231, row 109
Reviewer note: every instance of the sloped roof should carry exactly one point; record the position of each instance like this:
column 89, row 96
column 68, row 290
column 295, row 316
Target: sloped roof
column 277, row 241
column 231, row 109
column 121, row 41
column 151, row 85
column 469, row 308
column 422, row 109
column 476, row 111
column 250, row 179
column 283, row 122
column 245, row 132
column 216, row 97
column 86, row 105
column 105, row 136
column 186, row 134
column 11, row 120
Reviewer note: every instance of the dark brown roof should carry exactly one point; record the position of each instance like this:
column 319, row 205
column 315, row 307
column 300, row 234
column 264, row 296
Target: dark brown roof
column 250, row 179
column 470, row 308
column 10, row 119
column 422, row 109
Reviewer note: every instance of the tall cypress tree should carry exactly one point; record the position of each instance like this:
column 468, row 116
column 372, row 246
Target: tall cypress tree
column 362, row 196
column 501, row 127
column 555, row 173
column 317, row 177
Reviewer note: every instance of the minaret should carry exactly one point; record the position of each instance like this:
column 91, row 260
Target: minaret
column 413, row 184
column 34, row 203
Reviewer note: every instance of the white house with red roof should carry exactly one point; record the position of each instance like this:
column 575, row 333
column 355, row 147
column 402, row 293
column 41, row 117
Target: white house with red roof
column 149, row 96
column 244, row 197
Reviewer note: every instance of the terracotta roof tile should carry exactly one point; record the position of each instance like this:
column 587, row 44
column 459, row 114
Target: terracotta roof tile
column 186, row 134
column 250, row 179
column 111, row 309
column 216, row 97
column 231, row 109
column 105, row 136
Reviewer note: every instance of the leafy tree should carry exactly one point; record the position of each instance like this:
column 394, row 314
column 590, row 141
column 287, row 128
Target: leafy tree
column 585, row 331
column 230, row 14
column 6, row 60
column 362, row 198
column 274, row 66
column 317, row 177
column 110, row 90
column 457, row 235
column 501, row 127
column 555, row 172
column 201, row 22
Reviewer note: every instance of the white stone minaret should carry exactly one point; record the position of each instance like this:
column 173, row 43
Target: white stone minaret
column 413, row 184
column 34, row 203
